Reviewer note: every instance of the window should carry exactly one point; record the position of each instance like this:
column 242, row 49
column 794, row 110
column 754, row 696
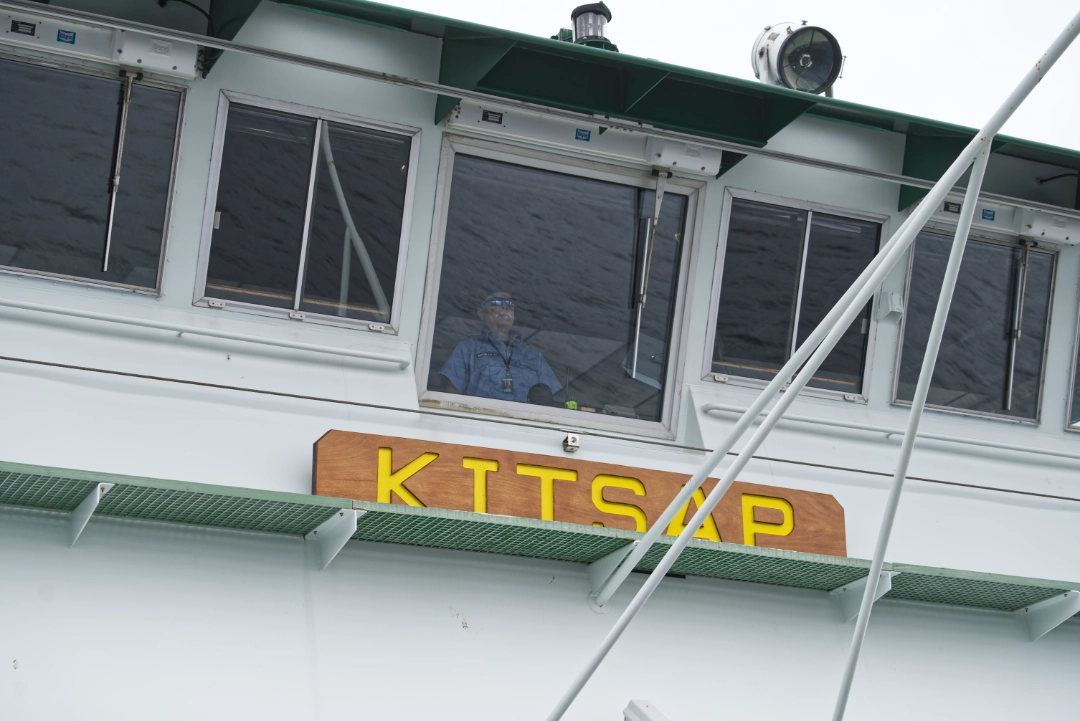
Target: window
column 784, row 268
column 991, row 357
column 1073, row 422
column 310, row 214
column 62, row 133
column 539, row 286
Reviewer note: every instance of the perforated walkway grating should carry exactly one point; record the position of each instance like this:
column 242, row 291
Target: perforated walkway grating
column 294, row 513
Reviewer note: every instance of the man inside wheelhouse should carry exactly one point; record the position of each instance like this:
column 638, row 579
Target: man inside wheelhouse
column 497, row 362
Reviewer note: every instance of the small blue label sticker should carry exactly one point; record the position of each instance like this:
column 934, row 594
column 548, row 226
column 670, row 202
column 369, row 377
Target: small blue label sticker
column 65, row 36
column 988, row 214
column 583, row 135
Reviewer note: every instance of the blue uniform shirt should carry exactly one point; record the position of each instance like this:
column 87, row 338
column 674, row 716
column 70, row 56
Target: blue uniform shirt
column 480, row 362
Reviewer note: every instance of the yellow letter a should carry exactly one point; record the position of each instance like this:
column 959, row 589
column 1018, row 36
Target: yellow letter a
column 390, row 482
column 708, row 530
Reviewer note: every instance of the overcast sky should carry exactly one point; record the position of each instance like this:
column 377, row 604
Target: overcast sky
column 952, row 60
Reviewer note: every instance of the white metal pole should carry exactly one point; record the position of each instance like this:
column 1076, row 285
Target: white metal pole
column 346, row 273
column 900, row 241
column 361, row 250
column 918, row 403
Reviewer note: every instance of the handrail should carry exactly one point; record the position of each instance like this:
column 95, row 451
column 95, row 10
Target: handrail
column 709, row 407
column 402, row 363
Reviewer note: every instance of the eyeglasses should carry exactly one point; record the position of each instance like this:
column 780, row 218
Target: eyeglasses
column 500, row 302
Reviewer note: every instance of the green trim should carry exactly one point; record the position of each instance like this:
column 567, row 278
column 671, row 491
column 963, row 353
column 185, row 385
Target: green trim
column 227, row 17
column 60, row 489
column 573, row 76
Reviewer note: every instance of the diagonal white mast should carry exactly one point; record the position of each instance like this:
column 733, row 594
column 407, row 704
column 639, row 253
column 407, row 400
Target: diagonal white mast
column 813, row 352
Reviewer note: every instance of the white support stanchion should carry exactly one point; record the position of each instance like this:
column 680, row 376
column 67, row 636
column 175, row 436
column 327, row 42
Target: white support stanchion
column 826, row 334
column 600, row 571
column 849, row 596
column 333, row 533
column 1043, row 617
column 918, row 403
column 81, row 515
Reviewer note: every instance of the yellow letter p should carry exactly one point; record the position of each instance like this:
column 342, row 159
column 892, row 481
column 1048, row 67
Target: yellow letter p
column 751, row 526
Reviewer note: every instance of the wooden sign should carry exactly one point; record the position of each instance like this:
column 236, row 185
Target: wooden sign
column 560, row 488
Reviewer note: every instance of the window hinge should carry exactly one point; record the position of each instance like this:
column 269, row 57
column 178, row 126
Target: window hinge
column 720, row 378
column 852, row 397
column 296, row 315
column 219, row 304
column 377, row 327
column 217, row 220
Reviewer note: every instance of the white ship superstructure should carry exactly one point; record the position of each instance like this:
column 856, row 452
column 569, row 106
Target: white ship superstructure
column 347, row 353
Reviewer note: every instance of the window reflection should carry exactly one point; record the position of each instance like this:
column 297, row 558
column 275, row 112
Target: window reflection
column 539, row 291
column 991, row 356
column 778, row 284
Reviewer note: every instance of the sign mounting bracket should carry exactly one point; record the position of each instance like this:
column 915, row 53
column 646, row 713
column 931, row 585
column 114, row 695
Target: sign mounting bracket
column 332, row 534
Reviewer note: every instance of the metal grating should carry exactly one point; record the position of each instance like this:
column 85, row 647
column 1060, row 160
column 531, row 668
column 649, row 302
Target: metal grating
column 205, row 509
column 1002, row 593
column 41, row 490
column 506, row 535
column 759, row 565
column 294, row 513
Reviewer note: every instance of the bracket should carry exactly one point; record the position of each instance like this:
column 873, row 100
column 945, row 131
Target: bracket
column 81, row 515
column 1042, row 617
column 848, row 598
column 600, row 571
column 333, row 533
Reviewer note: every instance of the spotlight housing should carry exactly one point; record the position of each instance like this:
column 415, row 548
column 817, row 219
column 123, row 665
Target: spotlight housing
column 801, row 57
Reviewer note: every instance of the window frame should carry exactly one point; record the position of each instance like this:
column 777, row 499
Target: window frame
column 692, row 190
column 179, row 88
column 1073, row 367
column 982, row 237
column 202, row 298
column 730, row 195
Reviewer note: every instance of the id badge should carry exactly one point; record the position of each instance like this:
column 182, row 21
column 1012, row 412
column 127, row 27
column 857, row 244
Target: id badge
column 508, row 384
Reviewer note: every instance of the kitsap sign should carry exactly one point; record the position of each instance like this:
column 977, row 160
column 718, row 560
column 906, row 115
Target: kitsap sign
column 485, row 480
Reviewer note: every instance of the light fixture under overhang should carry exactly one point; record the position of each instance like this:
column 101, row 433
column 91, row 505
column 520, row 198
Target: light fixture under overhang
column 800, row 57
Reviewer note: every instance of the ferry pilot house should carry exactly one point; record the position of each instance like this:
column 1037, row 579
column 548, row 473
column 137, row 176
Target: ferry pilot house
column 551, row 290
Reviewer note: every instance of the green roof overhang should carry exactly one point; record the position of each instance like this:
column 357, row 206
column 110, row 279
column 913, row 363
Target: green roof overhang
column 598, row 82
column 247, row 509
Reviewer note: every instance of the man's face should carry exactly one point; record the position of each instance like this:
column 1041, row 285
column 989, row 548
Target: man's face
column 497, row 316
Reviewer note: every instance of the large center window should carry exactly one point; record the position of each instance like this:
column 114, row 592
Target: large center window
column 554, row 298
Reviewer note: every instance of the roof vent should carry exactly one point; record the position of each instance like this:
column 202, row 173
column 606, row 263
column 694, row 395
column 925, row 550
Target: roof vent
column 800, row 57
column 589, row 23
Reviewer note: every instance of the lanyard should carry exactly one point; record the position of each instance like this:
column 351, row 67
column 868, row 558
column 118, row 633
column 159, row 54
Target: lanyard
column 508, row 380
column 506, row 361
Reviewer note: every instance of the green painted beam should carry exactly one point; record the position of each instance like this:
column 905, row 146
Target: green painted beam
column 226, row 18
column 202, row 504
column 464, row 63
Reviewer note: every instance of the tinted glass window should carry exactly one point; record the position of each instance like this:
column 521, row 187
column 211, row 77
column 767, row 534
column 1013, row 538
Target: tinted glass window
column 348, row 264
column 59, row 132
column 372, row 170
column 779, row 282
column 261, row 204
column 991, row 354
column 569, row 253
